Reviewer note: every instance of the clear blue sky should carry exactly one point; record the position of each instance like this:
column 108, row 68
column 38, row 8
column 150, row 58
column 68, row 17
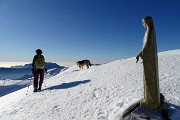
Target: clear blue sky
column 71, row 30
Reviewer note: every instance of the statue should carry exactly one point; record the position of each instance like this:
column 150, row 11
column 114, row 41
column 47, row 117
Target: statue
column 149, row 56
column 151, row 107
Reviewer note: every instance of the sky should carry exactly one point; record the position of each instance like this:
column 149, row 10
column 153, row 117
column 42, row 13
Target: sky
column 72, row 30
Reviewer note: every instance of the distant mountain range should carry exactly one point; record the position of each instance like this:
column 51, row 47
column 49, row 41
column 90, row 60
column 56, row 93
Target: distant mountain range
column 22, row 72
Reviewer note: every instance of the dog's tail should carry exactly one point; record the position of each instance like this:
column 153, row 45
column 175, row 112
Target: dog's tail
column 90, row 64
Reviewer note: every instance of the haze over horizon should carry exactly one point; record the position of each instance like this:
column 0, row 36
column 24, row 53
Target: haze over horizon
column 66, row 64
column 9, row 64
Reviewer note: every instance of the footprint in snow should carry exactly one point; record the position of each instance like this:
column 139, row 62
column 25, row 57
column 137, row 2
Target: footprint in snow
column 115, row 111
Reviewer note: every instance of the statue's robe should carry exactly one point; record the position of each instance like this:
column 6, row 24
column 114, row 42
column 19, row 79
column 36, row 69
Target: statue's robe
column 150, row 64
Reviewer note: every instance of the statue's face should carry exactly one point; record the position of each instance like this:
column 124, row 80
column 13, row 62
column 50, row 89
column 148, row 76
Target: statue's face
column 144, row 24
column 147, row 22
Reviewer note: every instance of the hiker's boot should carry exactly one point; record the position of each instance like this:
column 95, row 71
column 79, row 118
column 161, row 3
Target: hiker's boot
column 35, row 90
column 39, row 88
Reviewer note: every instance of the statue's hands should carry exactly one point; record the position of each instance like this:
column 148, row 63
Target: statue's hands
column 137, row 57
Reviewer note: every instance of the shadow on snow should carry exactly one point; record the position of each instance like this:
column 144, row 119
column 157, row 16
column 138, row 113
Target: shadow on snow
column 4, row 90
column 68, row 85
column 173, row 111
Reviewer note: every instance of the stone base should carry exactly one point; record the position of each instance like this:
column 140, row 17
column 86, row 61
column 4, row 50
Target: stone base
column 137, row 112
column 141, row 113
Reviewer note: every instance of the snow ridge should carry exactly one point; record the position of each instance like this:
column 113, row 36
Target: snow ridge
column 101, row 92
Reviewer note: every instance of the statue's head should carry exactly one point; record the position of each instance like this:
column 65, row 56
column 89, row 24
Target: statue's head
column 147, row 21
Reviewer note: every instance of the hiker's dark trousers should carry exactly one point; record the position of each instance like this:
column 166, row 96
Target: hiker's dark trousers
column 38, row 73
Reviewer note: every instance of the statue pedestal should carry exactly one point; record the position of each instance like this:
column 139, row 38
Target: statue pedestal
column 136, row 112
column 141, row 113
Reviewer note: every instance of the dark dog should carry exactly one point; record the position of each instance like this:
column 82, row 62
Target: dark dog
column 80, row 64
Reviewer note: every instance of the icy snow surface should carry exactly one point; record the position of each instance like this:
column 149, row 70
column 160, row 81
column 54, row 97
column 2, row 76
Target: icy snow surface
column 101, row 92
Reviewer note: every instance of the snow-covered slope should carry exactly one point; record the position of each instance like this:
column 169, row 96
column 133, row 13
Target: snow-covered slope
column 101, row 92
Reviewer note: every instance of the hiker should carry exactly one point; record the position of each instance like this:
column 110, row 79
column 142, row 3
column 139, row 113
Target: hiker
column 38, row 69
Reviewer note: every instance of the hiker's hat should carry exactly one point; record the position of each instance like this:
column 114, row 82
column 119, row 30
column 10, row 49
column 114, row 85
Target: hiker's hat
column 39, row 51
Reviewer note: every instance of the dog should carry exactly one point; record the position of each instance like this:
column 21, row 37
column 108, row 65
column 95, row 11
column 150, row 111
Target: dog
column 82, row 63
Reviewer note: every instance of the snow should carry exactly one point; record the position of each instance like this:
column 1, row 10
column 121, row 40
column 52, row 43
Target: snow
column 102, row 92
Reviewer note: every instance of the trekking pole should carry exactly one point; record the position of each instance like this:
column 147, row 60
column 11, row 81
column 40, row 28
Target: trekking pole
column 29, row 85
column 44, row 77
column 27, row 90
column 44, row 85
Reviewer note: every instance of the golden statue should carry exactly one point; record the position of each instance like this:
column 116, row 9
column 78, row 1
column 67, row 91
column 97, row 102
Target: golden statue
column 149, row 56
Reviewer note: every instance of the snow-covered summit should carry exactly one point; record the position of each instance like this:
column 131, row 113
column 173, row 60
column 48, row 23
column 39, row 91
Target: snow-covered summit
column 22, row 72
column 49, row 65
column 101, row 92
